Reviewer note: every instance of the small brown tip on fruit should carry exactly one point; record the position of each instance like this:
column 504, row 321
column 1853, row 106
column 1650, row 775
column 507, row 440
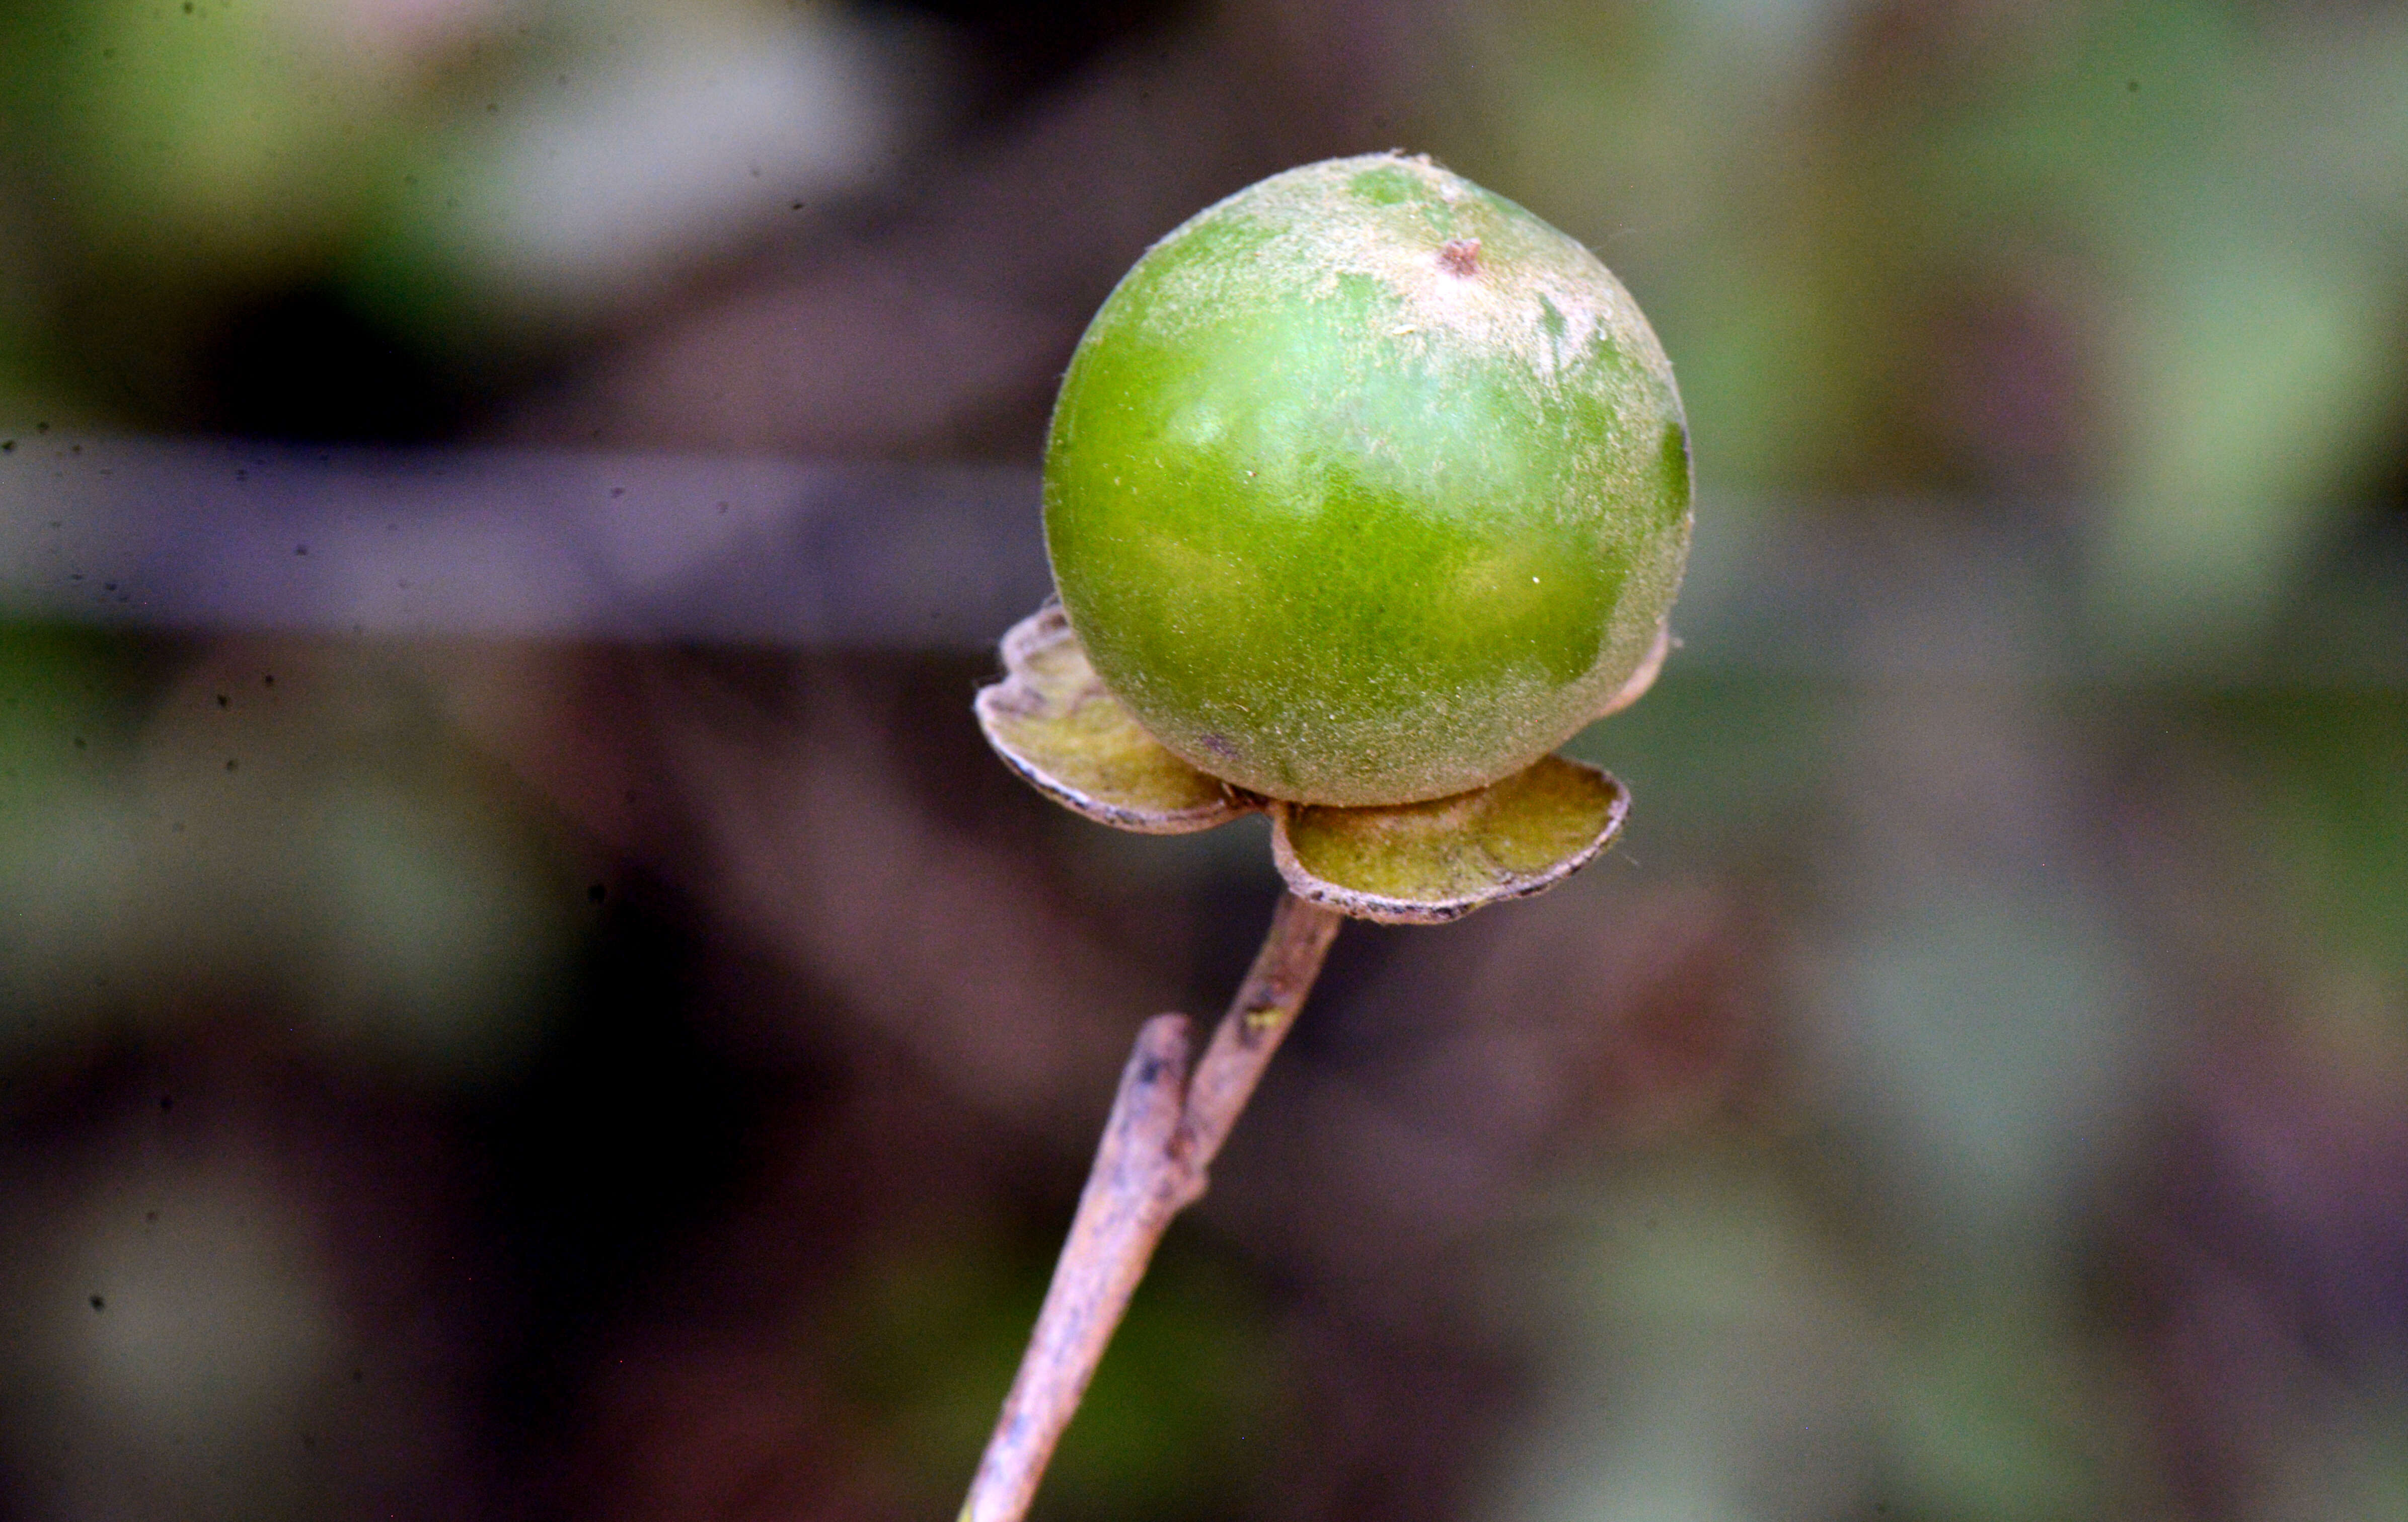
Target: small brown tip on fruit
column 1460, row 256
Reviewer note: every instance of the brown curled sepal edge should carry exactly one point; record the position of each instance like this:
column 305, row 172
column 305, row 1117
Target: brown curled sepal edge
column 1052, row 721
column 1429, row 863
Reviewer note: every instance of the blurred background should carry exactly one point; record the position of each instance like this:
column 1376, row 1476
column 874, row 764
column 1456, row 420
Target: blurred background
column 546, row 1009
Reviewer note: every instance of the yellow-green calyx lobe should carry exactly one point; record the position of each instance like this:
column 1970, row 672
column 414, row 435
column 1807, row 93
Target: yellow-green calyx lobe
column 1367, row 486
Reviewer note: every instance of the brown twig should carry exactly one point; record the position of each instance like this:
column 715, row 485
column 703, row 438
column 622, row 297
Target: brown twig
column 1165, row 1127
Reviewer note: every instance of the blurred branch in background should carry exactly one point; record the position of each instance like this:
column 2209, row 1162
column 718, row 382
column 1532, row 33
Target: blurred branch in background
column 542, row 1002
column 1899, row 945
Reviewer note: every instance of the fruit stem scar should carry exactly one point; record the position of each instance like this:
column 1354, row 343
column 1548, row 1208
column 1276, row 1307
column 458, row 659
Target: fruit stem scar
column 1460, row 256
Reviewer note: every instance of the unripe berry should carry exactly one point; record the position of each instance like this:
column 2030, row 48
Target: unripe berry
column 1367, row 486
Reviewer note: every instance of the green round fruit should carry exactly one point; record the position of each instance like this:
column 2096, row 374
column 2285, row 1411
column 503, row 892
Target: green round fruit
column 1367, row 486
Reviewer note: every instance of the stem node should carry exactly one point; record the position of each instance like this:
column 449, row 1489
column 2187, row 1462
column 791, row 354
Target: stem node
column 1168, row 1123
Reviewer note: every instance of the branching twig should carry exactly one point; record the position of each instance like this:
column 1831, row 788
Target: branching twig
column 1165, row 1127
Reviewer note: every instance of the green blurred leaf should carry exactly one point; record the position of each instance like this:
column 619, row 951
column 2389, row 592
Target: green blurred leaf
column 1186, row 1410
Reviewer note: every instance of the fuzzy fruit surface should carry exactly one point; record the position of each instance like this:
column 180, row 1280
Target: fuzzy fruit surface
column 1367, row 486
